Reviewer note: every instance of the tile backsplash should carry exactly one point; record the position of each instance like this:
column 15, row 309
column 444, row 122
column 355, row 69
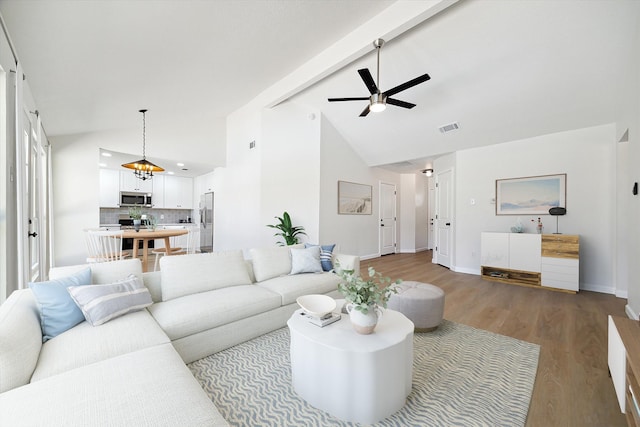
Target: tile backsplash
column 171, row 216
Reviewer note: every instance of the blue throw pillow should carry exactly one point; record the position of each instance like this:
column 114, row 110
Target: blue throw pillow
column 58, row 311
column 326, row 251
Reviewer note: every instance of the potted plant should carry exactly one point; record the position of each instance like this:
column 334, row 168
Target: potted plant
column 365, row 297
column 135, row 213
column 287, row 231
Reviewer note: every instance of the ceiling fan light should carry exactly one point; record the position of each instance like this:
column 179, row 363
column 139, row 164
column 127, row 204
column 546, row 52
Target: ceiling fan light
column 377, row 107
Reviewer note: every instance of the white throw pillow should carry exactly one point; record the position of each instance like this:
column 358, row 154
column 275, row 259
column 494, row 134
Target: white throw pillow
column 306, row 260
column 272, row 262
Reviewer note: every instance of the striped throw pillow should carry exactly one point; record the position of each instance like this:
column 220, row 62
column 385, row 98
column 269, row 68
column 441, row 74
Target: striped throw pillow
column 101, row 303
column 326, row 255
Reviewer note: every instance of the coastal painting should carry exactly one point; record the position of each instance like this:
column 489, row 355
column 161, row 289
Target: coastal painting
column 533, row 195
column 354, row 199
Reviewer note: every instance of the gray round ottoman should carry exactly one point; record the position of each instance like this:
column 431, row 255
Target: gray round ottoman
column 422, row 303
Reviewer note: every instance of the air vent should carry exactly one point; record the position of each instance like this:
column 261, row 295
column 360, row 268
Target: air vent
column 450, row 127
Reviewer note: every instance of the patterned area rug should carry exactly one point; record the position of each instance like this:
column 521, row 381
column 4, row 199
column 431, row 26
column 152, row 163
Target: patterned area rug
column 462, row 376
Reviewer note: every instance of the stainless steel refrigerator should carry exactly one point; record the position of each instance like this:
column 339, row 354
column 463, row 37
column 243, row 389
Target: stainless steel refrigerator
column 206, row 222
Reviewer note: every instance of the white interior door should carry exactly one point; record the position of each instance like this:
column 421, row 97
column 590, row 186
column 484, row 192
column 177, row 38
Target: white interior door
column 444, row 218
column 387, row 219
column 31, row 201
column 431, row 200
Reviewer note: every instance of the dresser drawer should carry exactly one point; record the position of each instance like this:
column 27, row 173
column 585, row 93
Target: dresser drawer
column 561, row 273
column 560, row 246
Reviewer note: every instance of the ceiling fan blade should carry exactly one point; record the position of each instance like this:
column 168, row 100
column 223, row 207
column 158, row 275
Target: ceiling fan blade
column 407, row 85
column 368, row 80
column 365, row 112
column 364, row 98
column 399, row 103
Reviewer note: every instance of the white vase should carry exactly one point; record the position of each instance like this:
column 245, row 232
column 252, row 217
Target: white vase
column 361, row 322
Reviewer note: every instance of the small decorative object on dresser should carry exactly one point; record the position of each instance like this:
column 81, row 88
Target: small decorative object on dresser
column 364, row 297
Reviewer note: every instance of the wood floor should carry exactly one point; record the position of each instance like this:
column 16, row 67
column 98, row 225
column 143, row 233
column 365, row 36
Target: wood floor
column 572, row 385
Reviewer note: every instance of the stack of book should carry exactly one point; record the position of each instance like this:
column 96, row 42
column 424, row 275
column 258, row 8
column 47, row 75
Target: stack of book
column 325, row 320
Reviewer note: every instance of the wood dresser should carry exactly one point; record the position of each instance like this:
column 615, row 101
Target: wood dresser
column 624, row 365
column 538, row 260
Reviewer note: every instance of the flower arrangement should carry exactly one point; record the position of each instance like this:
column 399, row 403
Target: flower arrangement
column 366, row 294
column 538, row 226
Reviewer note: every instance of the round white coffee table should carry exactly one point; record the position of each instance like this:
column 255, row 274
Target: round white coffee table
column 357, row 378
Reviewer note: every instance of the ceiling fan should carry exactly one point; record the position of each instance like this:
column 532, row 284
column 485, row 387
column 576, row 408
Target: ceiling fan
column 378, row 100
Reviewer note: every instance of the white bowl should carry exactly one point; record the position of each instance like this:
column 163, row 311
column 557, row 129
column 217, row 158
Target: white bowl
column 317, row 305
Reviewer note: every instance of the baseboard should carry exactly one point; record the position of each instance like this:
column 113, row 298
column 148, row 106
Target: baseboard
column 371, row 256
column 466, row 270
column 598, row 288
column 630, row 313
column 408, row 251
column 622, row 294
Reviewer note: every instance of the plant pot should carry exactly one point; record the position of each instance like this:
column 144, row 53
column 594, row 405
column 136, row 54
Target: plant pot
column 136, row 224
column 364, row 323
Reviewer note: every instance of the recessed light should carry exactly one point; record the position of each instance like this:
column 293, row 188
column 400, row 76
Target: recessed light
column 102, row 165
column 170, row 173
column 105, row 154
column 180, row 164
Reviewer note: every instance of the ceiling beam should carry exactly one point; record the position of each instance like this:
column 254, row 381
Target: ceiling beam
column 390, row 23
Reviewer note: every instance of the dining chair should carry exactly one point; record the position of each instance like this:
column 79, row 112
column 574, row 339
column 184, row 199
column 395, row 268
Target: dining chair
column 191, row 246
column 104, row 245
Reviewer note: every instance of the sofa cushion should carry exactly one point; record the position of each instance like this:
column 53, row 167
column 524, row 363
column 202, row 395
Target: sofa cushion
column 189, row 274
column 271, row 262
column 58, row 311
column 306, row 260
column 20, row 339
column 85, row 344
column 101, row 303
column 151, row 387
column 102, row 272
column 326, row 255
column 291, row 287
column 196, row 313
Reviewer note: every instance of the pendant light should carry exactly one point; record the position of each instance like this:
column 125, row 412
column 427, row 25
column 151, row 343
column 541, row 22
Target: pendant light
column 143, row 169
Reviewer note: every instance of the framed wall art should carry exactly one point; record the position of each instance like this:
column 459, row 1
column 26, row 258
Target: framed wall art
column 354, row 199
column 533, row 195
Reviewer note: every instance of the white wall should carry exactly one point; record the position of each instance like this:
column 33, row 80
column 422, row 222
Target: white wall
column 408, row 213
column 355, row 234
column 415, row 213
column 587, row 156
column 291, row 170
column 629, row 231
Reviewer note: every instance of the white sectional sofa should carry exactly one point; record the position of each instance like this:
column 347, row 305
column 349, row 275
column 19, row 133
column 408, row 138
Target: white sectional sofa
column 132, row 369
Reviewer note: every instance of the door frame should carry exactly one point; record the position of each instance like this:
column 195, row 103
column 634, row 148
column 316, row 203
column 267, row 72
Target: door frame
column 434, row 258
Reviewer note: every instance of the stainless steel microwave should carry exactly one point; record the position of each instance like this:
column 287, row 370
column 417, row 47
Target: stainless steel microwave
column 128, row 198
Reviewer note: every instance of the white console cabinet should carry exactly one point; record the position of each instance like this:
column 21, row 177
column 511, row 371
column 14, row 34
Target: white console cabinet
column 547, row 260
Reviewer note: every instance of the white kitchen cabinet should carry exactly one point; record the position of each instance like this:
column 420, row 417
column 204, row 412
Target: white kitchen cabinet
column 157, row 197
column 515, row 251
column 109, row 188
column 129, row 182
column 178, row 192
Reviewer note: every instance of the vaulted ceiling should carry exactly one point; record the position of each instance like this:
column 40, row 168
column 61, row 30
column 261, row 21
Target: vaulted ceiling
column 504, row 70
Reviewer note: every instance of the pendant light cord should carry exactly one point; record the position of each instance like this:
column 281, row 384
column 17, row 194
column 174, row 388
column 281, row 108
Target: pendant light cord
column 144, row 135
